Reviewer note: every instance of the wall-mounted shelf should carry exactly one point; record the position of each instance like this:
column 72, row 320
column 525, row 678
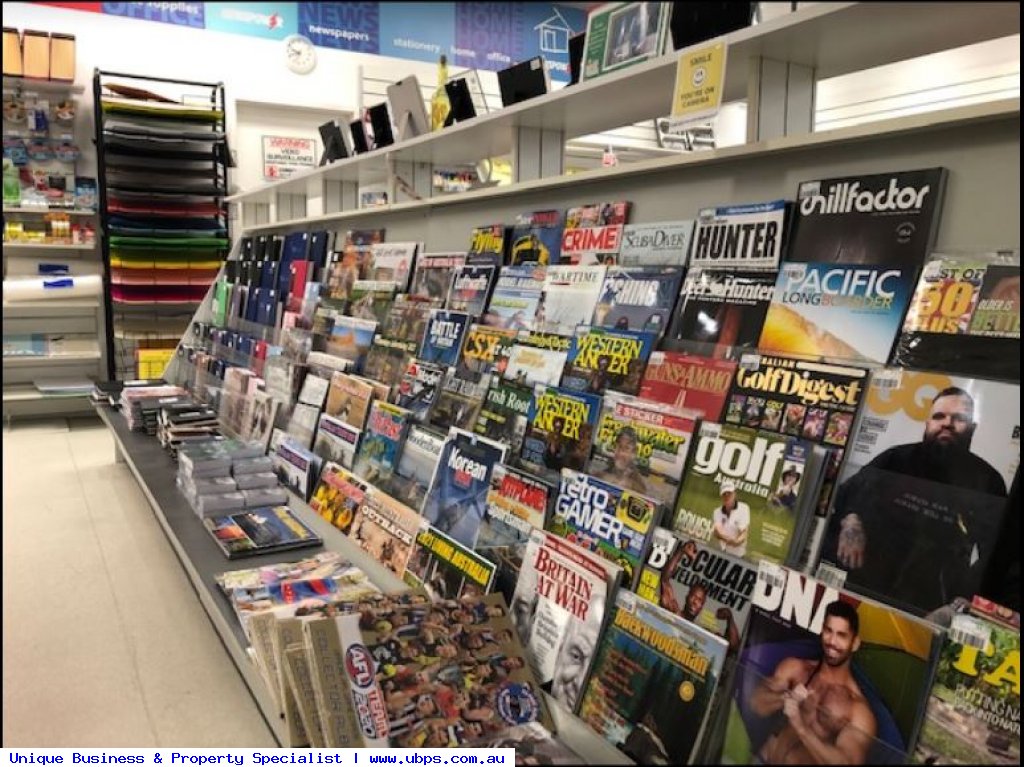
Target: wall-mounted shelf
column 51, row 359
column 46, row 246
column 41, row 86
column 73, row 306
column 819, row 42
column 46, row 211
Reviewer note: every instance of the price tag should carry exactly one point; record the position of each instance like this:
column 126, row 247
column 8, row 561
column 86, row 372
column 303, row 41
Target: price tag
column 970, row 632
column 887, row 378
column 711, row 430
column 750, row 361
column 771, row 573
column 833, row 577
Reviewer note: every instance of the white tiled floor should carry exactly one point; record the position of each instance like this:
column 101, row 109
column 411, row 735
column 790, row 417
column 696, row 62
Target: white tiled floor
column 105, row 643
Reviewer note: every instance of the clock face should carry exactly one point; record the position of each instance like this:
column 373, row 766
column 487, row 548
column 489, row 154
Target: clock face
column 300, row 53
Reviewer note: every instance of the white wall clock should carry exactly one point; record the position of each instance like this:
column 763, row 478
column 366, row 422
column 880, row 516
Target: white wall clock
column 300, row 53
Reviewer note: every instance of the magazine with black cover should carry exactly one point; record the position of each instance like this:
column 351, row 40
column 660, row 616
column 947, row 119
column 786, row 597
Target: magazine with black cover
column 560, row 430
column 504, row 413
column 607, row 360
column 491, row 239
column 700, row 384
column 964, row 317
column 825, row 672
column 457, row 499
column 638, row 298
column 446, row 569
column 559, row 607
column 642, row 446
column 417, row 389
column 458, row 399
column 881, row 219
column 477, row 657
column 593, row 233
column 517, row 504
column 721, row 311
column 432, row 275
column 336, row 440
column 654, row 679
column 442, row 340
column 260, row 531
column 416, row 466
column 744, row 492
column 922, row 496
column 516, row 297
column 407, row 321
column 837, row 311
column 382, row 441
column 740, row 237
column 486, row 350
column 472, row 284
column 386, row 363
column 614, row 523
column 537, row 238
column 663, row 243
column 570, row 297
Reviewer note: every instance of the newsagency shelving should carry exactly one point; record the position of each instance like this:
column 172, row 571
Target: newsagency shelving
column 162, row 179
column 978, row 144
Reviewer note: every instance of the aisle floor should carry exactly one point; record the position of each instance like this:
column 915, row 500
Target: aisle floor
column 105, row 643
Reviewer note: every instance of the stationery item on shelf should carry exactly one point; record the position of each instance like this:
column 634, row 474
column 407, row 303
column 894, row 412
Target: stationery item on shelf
column 504, row 413
column 442, row 340
column 653, row 683
column 56, row 288
column 260, row 531
column 386, row 529
column 740, row 237
column 642, row 446
column 432, row 275
column 516, row 298
column 446, row 569
column 560, row 430
column 517, row 504
column 700, row 384
column 964, row 317
column 922, row 497
column 382, row 441
column 486, row 350
column 838, row 653
column 606, row 359
column 721, row 313
column 664, row 243
column 638, row 298
column 417, row 389
column 35, row 47
column 13, row 54
column 593, row 233
column 837, row 311
column 559, row 608
column 620, row 35
column 338, row 495
column 411, row 478
column 336, row 440
column 614, row 523
column 457, row 497
column 537, row 238
column 885, row 219
column 747, row 492
column 570, row 297
column 525, row 80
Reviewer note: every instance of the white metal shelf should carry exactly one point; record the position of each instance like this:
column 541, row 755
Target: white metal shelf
column 51, row 246
column 36, row 85
column 830, row 38
column 975, row 114
column 50, row 359
column 68, row 211
column 29, row 393
column 56, row 306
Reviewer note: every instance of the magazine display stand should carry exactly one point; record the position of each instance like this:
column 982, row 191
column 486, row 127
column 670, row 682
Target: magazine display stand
column 976, row 143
